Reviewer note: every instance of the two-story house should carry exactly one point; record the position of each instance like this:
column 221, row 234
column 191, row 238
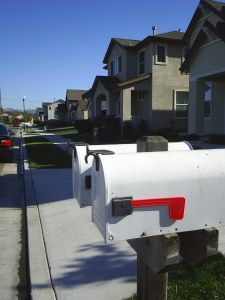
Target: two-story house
column 205, row 63
column 144, row 82
column 52, row 109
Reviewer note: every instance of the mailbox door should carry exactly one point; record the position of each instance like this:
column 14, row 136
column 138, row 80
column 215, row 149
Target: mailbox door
column 196, row 176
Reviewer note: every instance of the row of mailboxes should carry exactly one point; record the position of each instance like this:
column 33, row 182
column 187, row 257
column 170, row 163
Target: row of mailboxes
column 82, row 169
column 154, row 193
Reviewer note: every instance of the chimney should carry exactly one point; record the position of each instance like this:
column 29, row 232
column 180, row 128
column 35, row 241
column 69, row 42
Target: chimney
column 153, row 30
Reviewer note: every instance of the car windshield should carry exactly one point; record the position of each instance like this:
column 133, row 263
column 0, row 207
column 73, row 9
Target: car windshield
column 3, row 130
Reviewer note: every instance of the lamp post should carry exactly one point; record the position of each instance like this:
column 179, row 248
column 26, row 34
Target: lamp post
column 24, row 113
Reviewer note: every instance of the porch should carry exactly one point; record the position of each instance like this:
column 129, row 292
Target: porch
column 207, row 105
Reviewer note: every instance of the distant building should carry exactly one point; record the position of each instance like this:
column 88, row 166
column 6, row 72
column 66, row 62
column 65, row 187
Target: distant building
column 72, row 99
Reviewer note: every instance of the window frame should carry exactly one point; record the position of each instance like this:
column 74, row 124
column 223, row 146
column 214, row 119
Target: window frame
column 116, row 65
column 142, row 63
column 175, row 103
column 156, row 54
column 211, row 101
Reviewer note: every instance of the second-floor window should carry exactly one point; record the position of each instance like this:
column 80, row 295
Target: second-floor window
column 141, row 62
column 161, row 54
column 116, row 66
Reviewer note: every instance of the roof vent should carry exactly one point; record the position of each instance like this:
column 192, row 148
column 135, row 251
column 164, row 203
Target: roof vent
column 153, row 30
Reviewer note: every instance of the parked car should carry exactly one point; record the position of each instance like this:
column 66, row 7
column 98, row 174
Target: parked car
column 6, row 144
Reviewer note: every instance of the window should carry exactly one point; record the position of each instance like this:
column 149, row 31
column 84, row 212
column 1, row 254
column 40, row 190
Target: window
column 181, row 104
column 161, row 54
column 116, row 66
column 141, row 62
column 49, row 108
column 208, row 100
column 103, row 107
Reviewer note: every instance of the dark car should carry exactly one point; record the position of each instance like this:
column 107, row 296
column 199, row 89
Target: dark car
column 6, row 144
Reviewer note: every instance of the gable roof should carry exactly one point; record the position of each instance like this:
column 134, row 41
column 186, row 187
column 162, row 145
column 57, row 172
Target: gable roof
column 216, row 7
column 124, row 43
column 215, row 25
column 74, row 95
column 109, row 82
column 83, row 104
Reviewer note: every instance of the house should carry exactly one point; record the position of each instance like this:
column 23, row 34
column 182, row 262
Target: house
column 82, row 110
column 40, row 114
column 205, row 63
column 72, row 99
column 52, row 109
column 45, row 110
column 144, row 82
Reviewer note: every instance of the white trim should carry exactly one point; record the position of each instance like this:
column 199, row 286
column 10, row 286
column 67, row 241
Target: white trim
column 156, row 56
column 211, row 102
column 142, row 50
column 210, row 43
column 202, row 75
column 175, row 103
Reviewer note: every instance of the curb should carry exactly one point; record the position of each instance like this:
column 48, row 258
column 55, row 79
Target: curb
column 41, row 287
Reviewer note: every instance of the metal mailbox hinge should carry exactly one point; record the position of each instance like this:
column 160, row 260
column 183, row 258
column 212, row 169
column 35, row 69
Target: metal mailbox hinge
column 95, row 154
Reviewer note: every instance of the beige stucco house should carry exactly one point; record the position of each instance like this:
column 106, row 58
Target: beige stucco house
column 144, row 82
column 205, row 63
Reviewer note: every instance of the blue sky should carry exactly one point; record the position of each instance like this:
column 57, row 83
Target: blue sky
column 48, row 46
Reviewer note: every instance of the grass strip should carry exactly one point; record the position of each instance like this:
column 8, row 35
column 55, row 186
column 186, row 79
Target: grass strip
column 203, row 282
column 42, row 154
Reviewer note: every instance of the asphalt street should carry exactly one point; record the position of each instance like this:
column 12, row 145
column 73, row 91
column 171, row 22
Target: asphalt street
column 12, row 244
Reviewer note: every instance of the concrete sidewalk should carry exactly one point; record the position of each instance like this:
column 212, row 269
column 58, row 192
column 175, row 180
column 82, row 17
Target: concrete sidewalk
column 68, row 258
column 79, row 265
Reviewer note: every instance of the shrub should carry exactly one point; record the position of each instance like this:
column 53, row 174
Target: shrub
column 83, row 126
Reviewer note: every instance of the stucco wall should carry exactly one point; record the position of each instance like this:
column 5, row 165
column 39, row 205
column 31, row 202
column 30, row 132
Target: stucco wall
column 100, row 90
column 118, row 51
column 166, row 79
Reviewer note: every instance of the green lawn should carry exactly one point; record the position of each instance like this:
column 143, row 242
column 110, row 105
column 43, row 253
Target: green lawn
column 203, row 282
column 43, row 154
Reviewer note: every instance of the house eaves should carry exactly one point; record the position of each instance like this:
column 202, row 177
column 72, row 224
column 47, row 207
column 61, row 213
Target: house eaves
column 218, row 30
column 214, row 6
column 124, row 43
column 168, row 37
column 108, row 82
column 134, row 80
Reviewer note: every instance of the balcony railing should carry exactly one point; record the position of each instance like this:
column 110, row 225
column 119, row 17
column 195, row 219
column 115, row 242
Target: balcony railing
column 136, row 120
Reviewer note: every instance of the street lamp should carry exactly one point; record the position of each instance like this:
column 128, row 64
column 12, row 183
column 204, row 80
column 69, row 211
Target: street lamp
column 24, row 113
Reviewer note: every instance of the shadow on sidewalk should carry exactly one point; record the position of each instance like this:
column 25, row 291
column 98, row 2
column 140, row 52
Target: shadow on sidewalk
column 99, row 264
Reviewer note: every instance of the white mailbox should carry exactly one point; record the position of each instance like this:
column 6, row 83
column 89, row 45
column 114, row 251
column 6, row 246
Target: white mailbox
column 155, row 193
column 81, row 170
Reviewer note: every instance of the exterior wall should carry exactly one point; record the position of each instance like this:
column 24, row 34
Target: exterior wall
column 216, row 123
column 132, row 65
column 100, row 90
column 165, row 79
column 148, row 59
column 118, row 51
column 209, row 60
column 125, row 104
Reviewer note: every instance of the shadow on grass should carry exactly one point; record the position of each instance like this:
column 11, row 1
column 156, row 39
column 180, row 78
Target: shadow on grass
column 44, row 154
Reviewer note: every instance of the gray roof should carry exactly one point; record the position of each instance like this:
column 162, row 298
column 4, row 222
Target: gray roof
column 174, row 35
column 125, row 43
column 74, row 95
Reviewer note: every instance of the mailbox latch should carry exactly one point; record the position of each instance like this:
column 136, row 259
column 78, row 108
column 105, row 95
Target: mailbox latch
column 122, row 206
